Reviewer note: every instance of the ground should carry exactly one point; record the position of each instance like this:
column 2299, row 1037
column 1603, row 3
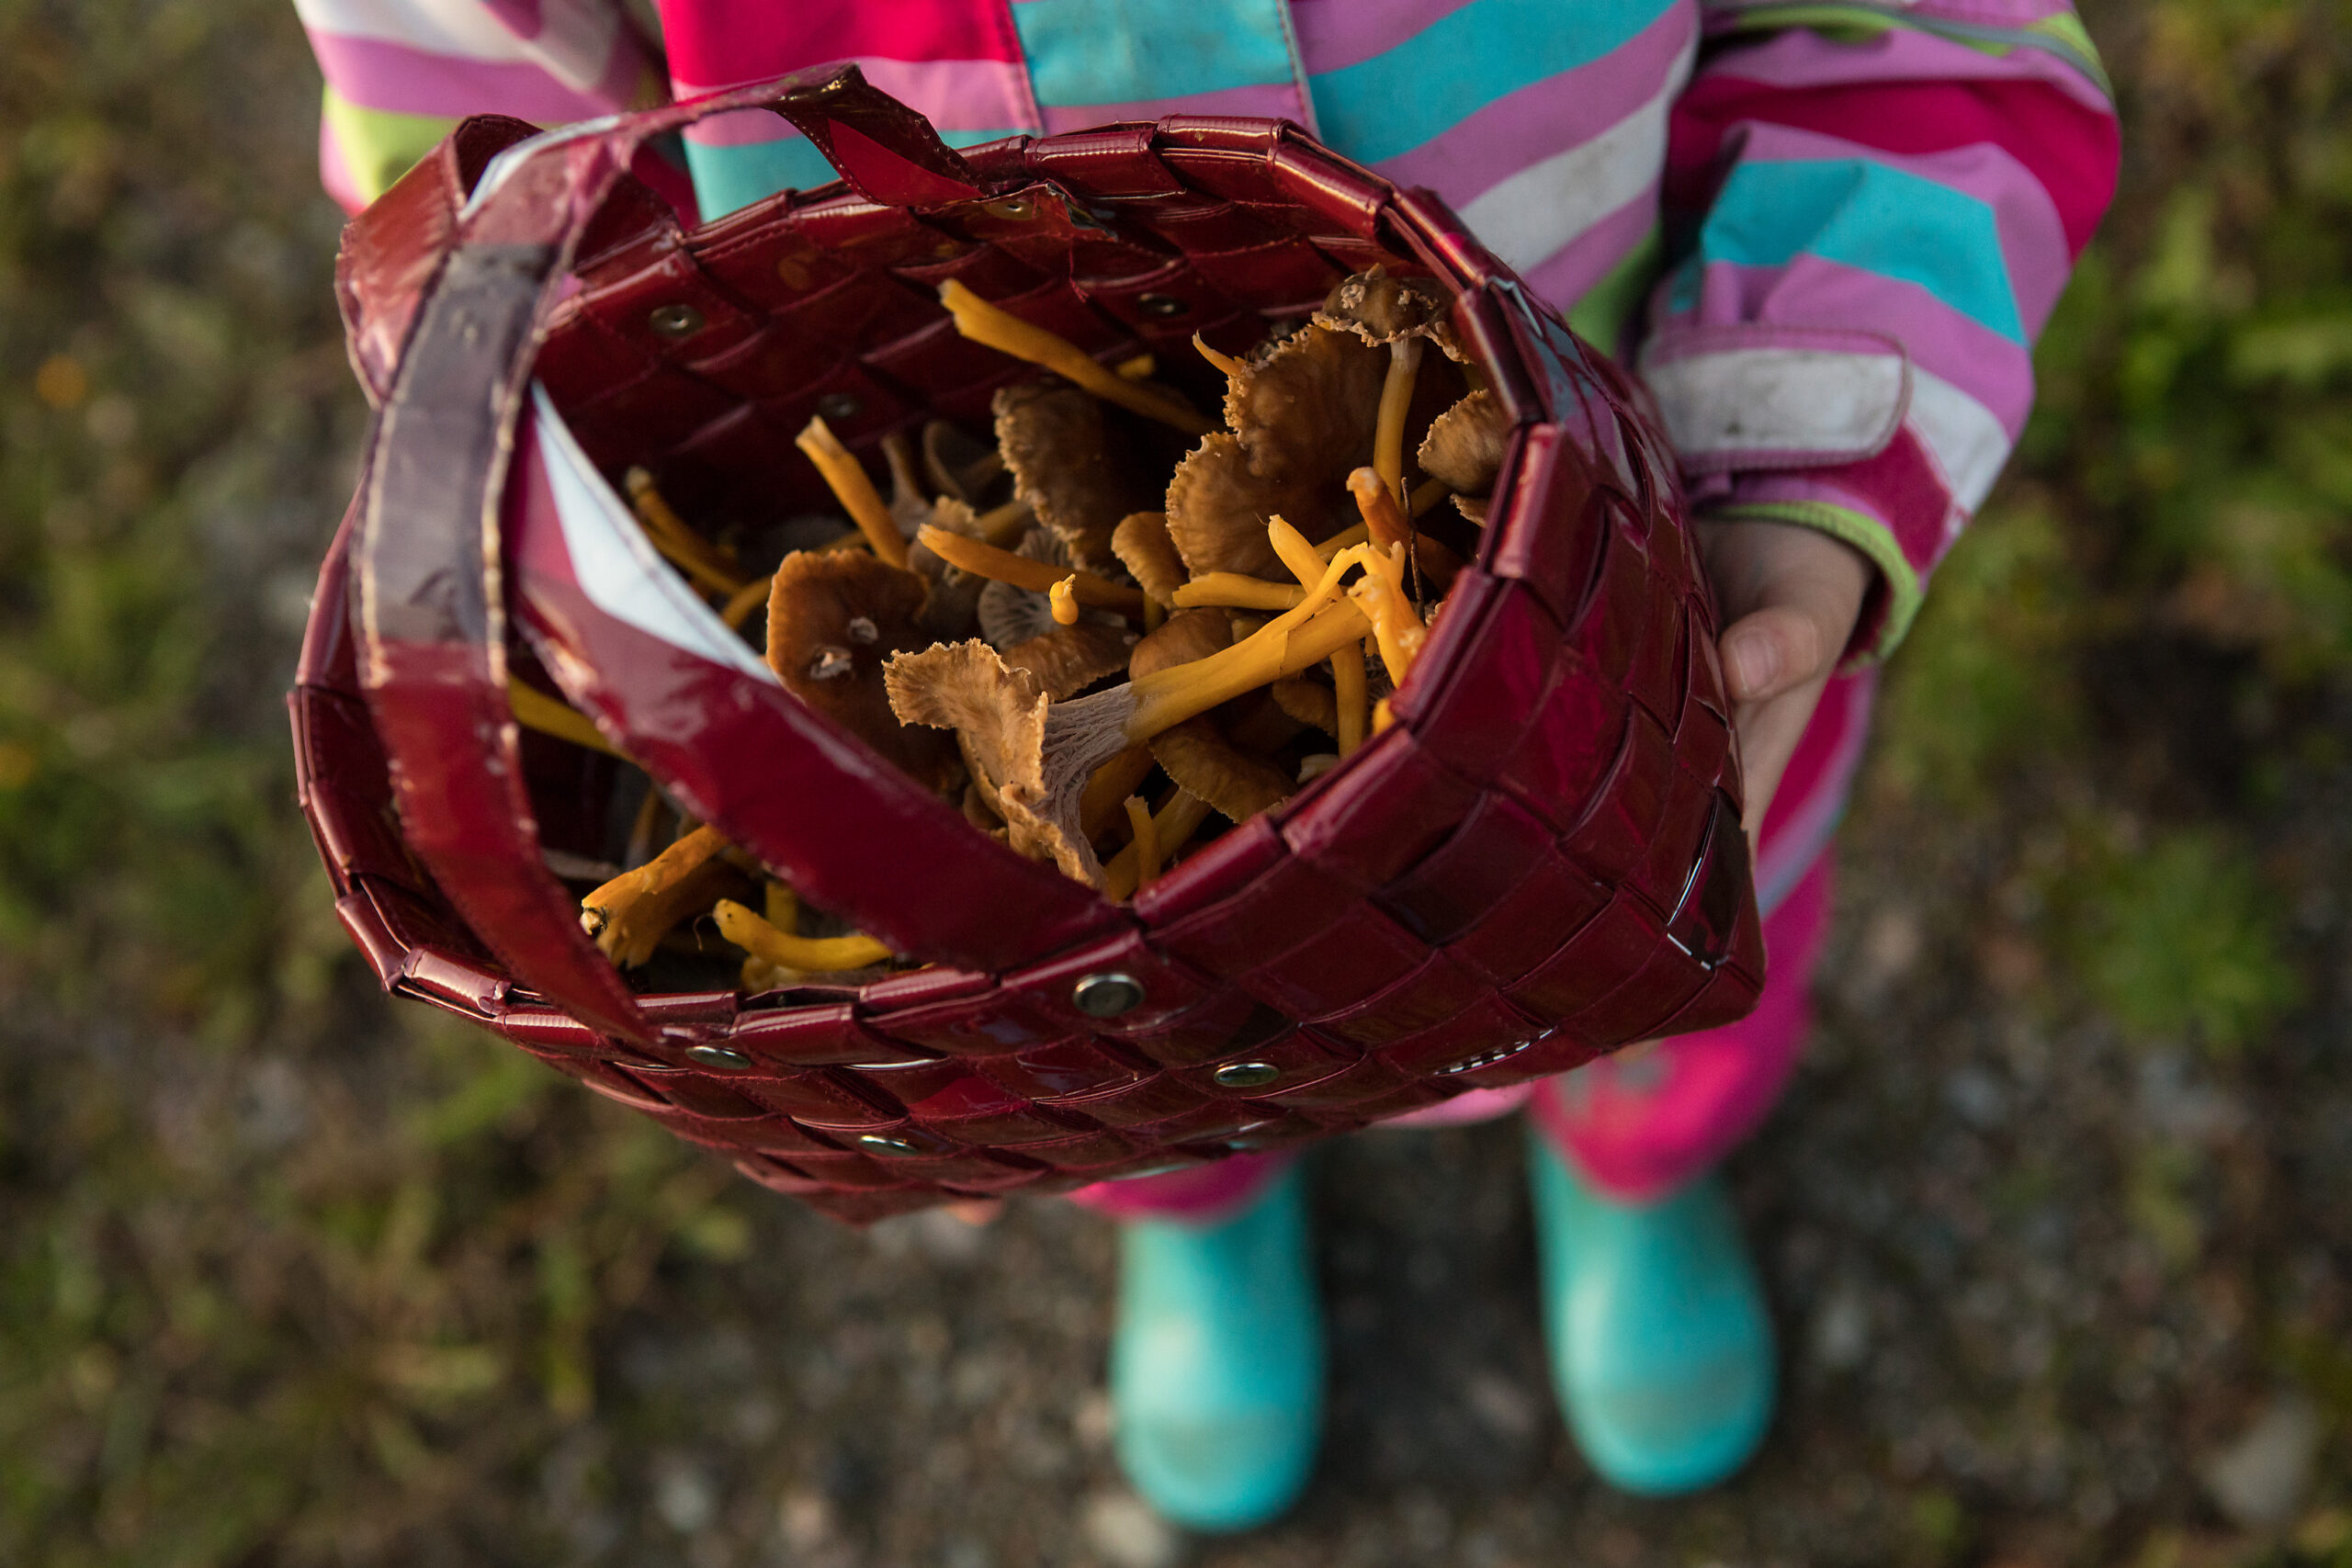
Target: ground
column 2055, row 1220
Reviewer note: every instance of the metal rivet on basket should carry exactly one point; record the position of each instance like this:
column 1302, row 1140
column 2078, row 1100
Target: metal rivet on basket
column 1246, row 1074
column 674, row 320
column 1107, row 995
column 1162, row 305
column 883, row 1144
column 840, row 405
column 719, row 1058
column 1013, row 209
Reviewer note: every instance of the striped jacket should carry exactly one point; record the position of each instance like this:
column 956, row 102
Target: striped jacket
column 1826, row 231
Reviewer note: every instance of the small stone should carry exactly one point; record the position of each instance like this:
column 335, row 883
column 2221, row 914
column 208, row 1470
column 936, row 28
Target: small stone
column 1503, row 1406
column 2259, row 1479
column 685, row 1498
column 805, row 1519
column 1127, row 1533
column 1978, row 1096
column 1842, row 1328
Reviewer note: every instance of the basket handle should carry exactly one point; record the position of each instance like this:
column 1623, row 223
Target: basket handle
column 429, row 577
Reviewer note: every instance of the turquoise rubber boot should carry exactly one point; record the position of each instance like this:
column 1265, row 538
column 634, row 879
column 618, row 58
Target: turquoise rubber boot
column 1216, row 1365
column 1661, row 1345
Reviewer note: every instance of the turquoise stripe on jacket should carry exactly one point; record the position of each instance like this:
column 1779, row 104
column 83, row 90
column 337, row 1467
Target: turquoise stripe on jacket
column 1083, row 52
column 1866, row 214
column 732, row 177
column 1394, row 101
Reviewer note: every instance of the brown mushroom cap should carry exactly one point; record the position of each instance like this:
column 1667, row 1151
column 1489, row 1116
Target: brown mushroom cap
column 1196, row 753
column 834, row 618
column 1071, row 463
column 1143, row 546
column 1381, row 309
column 1200, row 760
column 1010, row 614
column 1068, row 659
column 1464, row 449
column 1303, row 414
column 955, row 594
column 999, row 716
column 1182, row 637
column 1309, row 701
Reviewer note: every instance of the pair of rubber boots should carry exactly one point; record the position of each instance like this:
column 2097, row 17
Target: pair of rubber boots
column 1661, row 1348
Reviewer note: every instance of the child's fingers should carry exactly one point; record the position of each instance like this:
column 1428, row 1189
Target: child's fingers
column 1774, row 651
column 1791, row 596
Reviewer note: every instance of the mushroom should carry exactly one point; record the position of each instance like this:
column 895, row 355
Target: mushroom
column 1171, row 826
column 1464, row 451
column 1303, row 412
column 1071, row 463
column 629, row 914
column 1008, row 333
column 1384, row 311
column 1398, row 628
column 955, row 593
column 1020, row 623
column 998, row 716
column 1143, row 546
column 1196, row 753
column 1068, row 659
column 1311, row 702
column 847, row 477
column 712, row 566
column 834, row 619
column 795, row 954
column 1385, row 522
column 1041, row 756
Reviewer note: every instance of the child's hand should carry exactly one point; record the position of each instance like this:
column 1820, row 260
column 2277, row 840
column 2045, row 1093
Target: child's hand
column 1790, row 597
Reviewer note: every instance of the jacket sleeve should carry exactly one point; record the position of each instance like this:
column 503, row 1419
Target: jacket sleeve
column 1872, row 210
column 402, row 74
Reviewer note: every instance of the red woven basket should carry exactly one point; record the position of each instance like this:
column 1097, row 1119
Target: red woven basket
column 1541, row 859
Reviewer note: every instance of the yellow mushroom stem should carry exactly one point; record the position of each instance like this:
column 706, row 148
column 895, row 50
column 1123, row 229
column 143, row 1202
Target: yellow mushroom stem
column 1008, row 333
column 1427, row 495
column 1381, row 595
column 1305, row 562
column 1383, row 519
column 1112, row 783
column 847, row 479
column 1138, row 369
column 809, row 954
column 1004, row 525
column 782, row 906
column 1155, row 613
column 534, row 709
column 1395, row 403
column 1299, row 638
column 1146, row 841
column 1354, row 691
column 1381, row 717
column 1062, row 597
column 1036, row 576
column 749, row 597
column 686, row 549
column 1341, row 540
column 629, row 914
column 1237, row 591
column 1225, row 362
column 1172, row 826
